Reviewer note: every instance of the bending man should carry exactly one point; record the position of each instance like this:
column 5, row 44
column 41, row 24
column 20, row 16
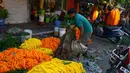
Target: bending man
column 83, row 24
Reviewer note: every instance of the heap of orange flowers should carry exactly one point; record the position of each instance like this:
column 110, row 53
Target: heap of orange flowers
column 77, row 33
column 14, row 58
column 51, row 43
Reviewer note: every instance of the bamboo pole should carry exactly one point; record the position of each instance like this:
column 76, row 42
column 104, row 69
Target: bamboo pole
column 62, row 4
column 0, row 1
column 41, row 4
column 78, row 9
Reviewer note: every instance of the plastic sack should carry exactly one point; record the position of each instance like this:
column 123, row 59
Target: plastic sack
column 78, row 48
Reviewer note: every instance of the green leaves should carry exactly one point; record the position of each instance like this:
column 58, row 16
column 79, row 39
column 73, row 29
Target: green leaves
column 3, row 13
column 125, row 2
column 8, row 42
column 18, row 71
column 64, row 25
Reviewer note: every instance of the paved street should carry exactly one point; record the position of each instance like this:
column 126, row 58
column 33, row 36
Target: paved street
column 101, row 47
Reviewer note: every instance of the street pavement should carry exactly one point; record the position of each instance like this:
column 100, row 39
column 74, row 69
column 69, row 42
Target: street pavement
column 100, row 48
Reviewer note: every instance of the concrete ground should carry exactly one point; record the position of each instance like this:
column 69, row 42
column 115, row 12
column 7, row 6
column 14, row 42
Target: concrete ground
column 102, row 48
column 100, row 45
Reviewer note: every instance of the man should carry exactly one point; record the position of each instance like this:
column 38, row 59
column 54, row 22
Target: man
column 83, row 24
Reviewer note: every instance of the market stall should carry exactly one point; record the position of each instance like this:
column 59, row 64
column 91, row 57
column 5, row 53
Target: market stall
column 33, row 54
column 39, row 54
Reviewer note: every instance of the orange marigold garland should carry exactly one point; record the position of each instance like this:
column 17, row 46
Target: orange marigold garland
column 51, row 43
column 14, row 58
column 77, row 34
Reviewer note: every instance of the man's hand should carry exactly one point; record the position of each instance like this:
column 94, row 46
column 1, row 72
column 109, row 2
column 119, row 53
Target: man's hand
column 72, row 26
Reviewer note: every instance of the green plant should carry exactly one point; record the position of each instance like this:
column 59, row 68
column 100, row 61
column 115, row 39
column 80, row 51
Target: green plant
column 64, row 25
column 8, row 42
column 3, row 13
column 124, row 2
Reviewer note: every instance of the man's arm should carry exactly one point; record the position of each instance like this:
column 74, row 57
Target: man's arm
column 81, row 30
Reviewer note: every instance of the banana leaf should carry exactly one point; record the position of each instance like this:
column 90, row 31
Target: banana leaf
column 18, row 71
